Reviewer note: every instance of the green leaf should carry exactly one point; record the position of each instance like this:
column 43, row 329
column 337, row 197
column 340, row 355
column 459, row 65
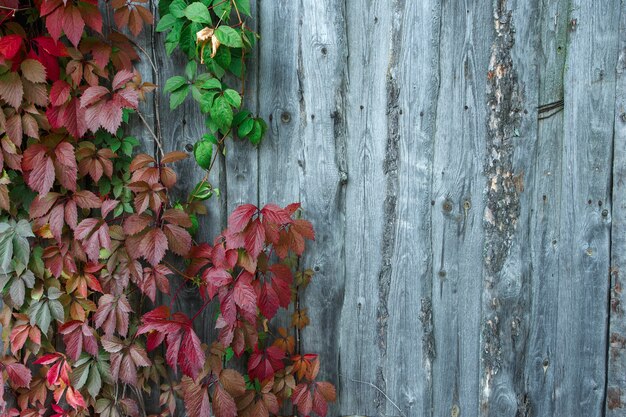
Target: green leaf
column 14, row 245
column 222, row 113
column 203, row 152
column 196, row 93
column 229, row 353
column 198, row 12
column 188, row 39
column 177, row 8
column 228, row 36
column 94, row 381
column 206, row 102
column 232, row 97
column 174, row 83
column 190, row 69
column 212, row 84
column 257, row 132
column 166, row 22
column 202, row 191
column 222, row 9
column 178, row 96
column 245, row 128
column 211, row 138
column 243, row 6
column 173, row 37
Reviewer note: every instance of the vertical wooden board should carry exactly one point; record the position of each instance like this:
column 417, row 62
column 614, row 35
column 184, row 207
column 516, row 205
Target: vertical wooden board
column 511, row 138
column 616, row 377
column 585, row 192
column 321, row 68
column 404, row 312
column 241, row 156
column 281, row 162
column 543, row 185
column 301, row 93
column 366, row 124
column 457, row 205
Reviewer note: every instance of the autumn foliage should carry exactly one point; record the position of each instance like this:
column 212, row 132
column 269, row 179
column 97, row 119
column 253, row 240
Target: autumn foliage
column 93, row 248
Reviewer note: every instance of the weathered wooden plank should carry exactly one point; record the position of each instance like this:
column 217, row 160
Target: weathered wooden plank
column 301, row 94
column 366, row 124
column 616, row 377
column 543, row 185
column 404, row 316
column 511, row 137
column 580, row 360
column 458, row 206
column 241, row 161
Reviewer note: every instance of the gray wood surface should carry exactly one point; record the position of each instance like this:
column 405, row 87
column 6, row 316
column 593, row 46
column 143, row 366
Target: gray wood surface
column 464, row 166
column 616, row 378
column 464, row 229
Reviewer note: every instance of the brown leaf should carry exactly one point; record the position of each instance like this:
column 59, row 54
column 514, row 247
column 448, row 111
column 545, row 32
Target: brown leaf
column 33, row 70
column 11, row 89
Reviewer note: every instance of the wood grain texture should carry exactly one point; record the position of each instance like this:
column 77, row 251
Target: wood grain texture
column 366, row 118
column 458, row 206
column 616, row 378
column 404, row 311
column 585, row 191
column 466, row 217
column 543, row 183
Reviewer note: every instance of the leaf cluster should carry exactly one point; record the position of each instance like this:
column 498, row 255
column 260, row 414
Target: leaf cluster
column 88, row 227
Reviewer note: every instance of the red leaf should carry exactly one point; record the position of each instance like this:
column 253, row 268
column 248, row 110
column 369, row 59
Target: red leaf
column 121, row 78
column 216, row 278
column 125, row 358
column 153, row 246
column 92, row 95
column 10, row 45
column 178, row 238
column 155, row 277
column 183, row 345
column 94, row 235
column 19, row 375
column 302, row 399
column 244, row 295
column 59, row 93
column 78, row 336
column 74, row 398
column 263, row 364
column 275, row 214
column 41, row 175
column 136, row 223
column 65, row 165
column 254, row 238
column 112, row 314
column 108, row 206
column 240, row 217
column 86, row 199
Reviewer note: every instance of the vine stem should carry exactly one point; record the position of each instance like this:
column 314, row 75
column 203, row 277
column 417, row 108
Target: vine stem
column 154, row 136
column 243, row 53
column 206, row 303
column 155, row 77
column 377, row 389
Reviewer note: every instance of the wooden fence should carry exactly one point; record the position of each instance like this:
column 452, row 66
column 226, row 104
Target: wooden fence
column 464, row 165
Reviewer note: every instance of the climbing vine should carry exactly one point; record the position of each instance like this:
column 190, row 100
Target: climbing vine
column 91, row 237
